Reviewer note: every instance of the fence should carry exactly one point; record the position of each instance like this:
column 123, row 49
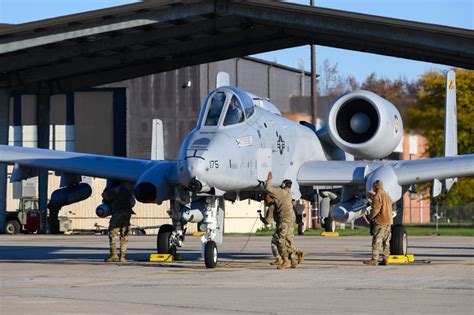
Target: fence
column 461, row 216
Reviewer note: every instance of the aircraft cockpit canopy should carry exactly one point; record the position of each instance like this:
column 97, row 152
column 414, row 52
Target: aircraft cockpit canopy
column 226, row 106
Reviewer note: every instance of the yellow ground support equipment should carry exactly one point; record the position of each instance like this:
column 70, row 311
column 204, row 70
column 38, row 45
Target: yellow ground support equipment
column 401, row 259
column 161, row 257
column 333, row 234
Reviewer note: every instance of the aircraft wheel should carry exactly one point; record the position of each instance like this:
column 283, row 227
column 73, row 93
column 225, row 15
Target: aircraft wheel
column 300, row 228
column 163, row 239
column 210, row 254
column 329, row 225
column 399, row 240
column 12, row 227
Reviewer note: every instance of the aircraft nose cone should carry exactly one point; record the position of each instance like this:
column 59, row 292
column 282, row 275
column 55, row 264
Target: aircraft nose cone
column 196, row 167
column 192, row 174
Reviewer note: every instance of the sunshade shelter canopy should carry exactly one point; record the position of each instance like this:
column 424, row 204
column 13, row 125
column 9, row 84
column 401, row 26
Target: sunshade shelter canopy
column 98, row 47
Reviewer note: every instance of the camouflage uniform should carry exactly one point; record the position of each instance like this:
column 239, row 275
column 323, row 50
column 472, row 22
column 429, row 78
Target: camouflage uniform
column 275, row 239
column 283, row 237
column 270, row 213
column 381, row 237
column 381, row 215
column 121, row 200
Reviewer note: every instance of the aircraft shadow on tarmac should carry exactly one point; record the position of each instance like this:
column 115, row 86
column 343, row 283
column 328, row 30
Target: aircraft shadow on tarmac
column 73, row 255
column 51, row 253
column 95, row 255
column 445, row 247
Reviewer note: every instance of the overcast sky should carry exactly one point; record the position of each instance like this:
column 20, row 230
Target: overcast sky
column 456, row 13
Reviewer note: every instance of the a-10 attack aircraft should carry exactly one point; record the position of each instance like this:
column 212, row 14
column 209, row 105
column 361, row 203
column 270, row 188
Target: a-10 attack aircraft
column 239, row 138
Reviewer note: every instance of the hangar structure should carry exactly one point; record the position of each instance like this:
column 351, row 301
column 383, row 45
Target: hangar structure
column 94, row 48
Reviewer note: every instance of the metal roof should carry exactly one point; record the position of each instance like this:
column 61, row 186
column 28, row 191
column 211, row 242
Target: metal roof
column 109, row 45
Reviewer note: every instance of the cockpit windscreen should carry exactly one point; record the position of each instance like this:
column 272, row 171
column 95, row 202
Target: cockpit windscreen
column 235, row 112
column 215, row 109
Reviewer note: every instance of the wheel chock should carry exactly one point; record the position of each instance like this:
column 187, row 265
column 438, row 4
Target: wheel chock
column 161, row 257
column 401, row 259
column 198, row 233
column 333, row 234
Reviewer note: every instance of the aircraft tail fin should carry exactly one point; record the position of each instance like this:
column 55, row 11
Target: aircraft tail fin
column 450, row 132
column 450, row 116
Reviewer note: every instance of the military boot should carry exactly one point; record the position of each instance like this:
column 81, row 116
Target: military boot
column 384, row 262
column 294, row 262
column 276, row 262
column 113, row 256
column 285, row 264
column 122, row 258
column 300, row 257
column 372, row 262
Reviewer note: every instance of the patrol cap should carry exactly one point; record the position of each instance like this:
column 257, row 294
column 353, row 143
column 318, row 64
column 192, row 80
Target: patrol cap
column 286, row 183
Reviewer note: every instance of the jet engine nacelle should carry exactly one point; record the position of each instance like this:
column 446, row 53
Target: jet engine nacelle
column 69, row 195
column 153, row 186
column 365, row 125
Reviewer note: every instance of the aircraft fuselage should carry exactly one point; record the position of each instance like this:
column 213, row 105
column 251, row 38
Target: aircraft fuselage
column 235, row 157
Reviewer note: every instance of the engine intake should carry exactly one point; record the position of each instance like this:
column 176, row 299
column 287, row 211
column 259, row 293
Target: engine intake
column 365, row 125
column 357, row 121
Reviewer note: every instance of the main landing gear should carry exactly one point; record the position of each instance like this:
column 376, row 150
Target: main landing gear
column 208, row 212
column 163, row 242
column 329, row 224
column 399, row 240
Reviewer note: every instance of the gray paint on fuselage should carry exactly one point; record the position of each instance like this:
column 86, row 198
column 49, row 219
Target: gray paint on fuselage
column 232, row 166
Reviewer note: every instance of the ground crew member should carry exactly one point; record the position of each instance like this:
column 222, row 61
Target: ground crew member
column 289, row 254
column 270, row 213
column 270, row 216
column 381, row 215
column 120, row 198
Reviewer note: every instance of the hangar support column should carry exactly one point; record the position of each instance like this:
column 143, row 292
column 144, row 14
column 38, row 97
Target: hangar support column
column 4, row 126
column 42, row 120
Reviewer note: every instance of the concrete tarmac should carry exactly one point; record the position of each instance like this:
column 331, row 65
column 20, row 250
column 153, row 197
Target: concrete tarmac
column 65, row 274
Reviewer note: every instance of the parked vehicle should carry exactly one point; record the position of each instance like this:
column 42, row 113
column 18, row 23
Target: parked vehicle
column 26, row 219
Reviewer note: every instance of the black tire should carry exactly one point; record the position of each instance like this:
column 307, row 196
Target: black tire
column 399, row 240
column 163, row 239
column 300, row 228
column 12, row 227
column 329, row 225
column 210, row 254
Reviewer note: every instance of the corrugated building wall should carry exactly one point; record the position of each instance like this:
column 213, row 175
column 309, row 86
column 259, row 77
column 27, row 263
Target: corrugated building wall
column 116, row 119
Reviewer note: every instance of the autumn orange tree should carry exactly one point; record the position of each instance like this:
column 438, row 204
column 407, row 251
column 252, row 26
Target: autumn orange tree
column 400, row 92
column 427, row 118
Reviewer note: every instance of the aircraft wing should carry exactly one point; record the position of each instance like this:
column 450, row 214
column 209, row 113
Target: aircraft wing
column 110, row 167
column 407, row 172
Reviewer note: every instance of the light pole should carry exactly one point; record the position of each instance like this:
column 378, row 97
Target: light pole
column 313, row 79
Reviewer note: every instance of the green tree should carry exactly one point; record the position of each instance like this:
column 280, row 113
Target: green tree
column 427, row 118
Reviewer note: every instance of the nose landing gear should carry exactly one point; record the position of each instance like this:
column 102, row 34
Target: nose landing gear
column 210, row 254
column 170, row 237
column 214, row 223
